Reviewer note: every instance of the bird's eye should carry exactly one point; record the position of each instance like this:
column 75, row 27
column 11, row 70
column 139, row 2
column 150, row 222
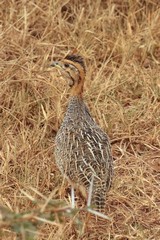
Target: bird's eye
column 66, row 65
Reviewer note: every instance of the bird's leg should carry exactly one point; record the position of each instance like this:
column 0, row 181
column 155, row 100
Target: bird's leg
column 72, row 197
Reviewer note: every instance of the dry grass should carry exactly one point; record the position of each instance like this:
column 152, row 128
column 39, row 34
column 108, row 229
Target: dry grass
column 120, row 41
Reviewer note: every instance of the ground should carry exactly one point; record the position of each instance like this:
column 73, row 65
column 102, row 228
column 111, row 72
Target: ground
column 120, row 42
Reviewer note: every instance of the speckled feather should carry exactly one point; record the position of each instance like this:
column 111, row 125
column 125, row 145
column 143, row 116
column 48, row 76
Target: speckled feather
column 82, row 150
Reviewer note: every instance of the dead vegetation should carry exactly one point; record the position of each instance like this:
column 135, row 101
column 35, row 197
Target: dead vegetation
column 120, row 41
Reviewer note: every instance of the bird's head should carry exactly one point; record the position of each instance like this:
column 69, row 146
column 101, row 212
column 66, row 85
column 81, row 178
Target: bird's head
column 72, row 68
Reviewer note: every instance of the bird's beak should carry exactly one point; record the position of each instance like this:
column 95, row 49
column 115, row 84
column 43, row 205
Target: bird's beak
column 56, row 64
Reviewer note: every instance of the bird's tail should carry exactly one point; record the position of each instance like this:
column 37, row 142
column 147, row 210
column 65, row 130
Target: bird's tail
column 99, row 199
column 97, row 192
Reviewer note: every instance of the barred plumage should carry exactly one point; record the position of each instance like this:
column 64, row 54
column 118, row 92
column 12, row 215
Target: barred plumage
column 82, row 149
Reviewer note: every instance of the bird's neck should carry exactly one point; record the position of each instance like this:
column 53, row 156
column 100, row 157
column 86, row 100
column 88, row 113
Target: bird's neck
column 77, row 90
column 75, row 106
column 75, row 101
column 77, row 112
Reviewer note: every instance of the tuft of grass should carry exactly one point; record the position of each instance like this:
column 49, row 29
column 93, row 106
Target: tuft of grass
column 120, row 41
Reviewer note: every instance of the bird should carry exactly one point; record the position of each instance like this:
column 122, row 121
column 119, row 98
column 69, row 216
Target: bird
column 82, row 149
